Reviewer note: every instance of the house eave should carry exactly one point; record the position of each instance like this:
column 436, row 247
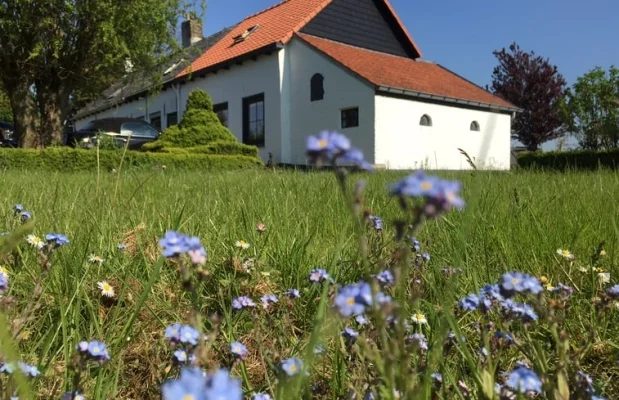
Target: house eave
column 444, row 99
column 270, row 48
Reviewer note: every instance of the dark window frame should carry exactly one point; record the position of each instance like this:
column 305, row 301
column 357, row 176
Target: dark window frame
column 175, row 114
column 156, row 115
column 425, row 120
column 475, row 127
column 247, row 102
column 317, row 87
column 349, row 120
column 220, row 107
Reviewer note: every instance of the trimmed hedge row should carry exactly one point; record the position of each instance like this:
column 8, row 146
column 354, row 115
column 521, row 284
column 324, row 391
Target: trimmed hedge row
column 69, row 160
column 577, row 159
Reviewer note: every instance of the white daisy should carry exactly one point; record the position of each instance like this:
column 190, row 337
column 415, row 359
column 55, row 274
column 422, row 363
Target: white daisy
column 242, row 244
column 604, row 277
column 602, row 252
column 583, row 269
column 419, row 319
column 106, row 289
column 35, row 241
column 95, row 259
column 565, row 254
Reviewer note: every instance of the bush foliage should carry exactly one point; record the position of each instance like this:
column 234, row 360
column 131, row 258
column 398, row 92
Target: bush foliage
column 66, row 159
column 201, row 132
column 578, row 159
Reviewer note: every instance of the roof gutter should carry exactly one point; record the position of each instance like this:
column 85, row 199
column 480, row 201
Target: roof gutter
column 446, row 99
column 270, row 48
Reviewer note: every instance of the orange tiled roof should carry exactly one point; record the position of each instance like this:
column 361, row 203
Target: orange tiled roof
column 276, row 25
column 383, row 69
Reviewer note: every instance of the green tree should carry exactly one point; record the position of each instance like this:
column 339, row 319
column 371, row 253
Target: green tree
column 591, row 109
column 63, row 49
column 6, row 114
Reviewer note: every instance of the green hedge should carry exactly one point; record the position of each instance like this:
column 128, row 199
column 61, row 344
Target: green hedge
column 69, row 159
column 578, row 159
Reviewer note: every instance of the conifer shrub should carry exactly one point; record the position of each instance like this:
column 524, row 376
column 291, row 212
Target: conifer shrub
column 200, row 132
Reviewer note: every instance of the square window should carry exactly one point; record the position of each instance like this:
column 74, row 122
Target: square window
column 254, row 120
column 155, row 120
column 221, row 110
column 172, row 119
column 350, row 117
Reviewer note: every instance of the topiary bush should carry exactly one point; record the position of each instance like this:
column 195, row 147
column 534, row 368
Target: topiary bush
column 200, row 132
column 199, row 100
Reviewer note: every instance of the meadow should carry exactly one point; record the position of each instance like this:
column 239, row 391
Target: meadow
column 512, row 221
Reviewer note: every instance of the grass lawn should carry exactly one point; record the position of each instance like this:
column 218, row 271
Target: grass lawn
column 512, row 222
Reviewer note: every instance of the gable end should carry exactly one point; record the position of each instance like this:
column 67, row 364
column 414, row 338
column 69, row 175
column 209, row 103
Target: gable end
column 368, row 24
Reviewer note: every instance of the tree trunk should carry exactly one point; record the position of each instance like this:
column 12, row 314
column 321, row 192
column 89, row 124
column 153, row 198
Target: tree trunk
column 24, row 115
column 51, row 100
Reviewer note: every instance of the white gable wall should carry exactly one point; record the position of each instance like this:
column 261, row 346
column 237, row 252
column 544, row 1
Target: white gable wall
column 342, row 90
column 401, row 143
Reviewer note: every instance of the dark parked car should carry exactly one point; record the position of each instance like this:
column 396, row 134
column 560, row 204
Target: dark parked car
column 136, row 131
column 7, row 135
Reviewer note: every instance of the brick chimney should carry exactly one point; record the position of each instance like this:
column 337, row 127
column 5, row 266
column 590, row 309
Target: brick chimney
column 191, row 31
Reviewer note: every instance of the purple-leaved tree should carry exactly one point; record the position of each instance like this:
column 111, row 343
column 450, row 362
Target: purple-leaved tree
column 535, row 85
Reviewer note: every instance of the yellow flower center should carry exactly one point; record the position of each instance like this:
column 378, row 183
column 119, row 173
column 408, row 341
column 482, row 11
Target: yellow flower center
column 188, row 397
column 350, row 301
column 323, row 143
column 515, row 281
column 107, row 287
column 95, row 349
column 425, row 185
column 565, row 253
column 420, row 317
column 292, row 368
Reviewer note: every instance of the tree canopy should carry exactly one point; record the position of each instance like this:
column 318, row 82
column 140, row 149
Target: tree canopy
column 591, row 109
column 535, row 85
column 74, row 49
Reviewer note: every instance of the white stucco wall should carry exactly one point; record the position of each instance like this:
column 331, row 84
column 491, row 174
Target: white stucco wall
column 342, row 90
column 401, row 143
column 248, row 79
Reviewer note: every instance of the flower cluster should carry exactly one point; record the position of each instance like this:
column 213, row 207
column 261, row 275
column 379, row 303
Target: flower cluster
column 440, row 195
column 175, row 244
column 319, row 276
column 377, row 222
column 333, row 147
column 353, row 299
column 186, row 338
column 55, row 240
column 243, row 302
column 195, row 384
column 4, row 282
column 94, row 351
column 28, row 370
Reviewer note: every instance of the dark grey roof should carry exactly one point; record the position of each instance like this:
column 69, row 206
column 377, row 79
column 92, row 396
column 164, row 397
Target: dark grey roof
column 132, row 87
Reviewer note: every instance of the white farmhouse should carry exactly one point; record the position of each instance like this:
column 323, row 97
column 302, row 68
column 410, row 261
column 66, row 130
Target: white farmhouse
column 303, row 66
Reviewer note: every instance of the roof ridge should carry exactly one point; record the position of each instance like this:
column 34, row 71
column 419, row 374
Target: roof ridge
column 360, row 48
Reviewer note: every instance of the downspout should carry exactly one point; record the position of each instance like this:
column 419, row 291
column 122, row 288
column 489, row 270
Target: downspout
column 177, row 90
